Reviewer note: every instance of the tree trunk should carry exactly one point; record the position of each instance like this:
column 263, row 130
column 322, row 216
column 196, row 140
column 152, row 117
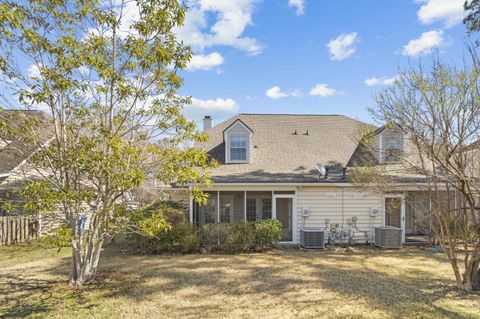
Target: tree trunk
column 474, row 276
column 84, row 268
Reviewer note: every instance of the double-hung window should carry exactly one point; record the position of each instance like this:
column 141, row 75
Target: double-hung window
column 238, row 148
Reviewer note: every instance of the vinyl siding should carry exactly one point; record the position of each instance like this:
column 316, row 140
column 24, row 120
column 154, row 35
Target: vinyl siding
column 327, row 203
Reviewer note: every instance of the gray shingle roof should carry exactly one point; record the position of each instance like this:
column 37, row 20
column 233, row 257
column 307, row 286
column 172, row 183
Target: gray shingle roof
column 281, row 156
column 20, row 146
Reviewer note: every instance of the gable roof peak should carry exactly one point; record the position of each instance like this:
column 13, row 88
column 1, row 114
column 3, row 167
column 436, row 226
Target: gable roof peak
column 234, row 123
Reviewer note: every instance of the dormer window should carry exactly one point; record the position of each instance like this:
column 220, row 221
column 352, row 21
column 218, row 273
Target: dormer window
column 238, row 148
column 394, row 142
column 391, row 145
column 237, row 137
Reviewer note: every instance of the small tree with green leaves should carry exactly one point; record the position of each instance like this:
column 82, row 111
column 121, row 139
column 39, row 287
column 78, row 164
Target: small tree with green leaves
column 106, row 73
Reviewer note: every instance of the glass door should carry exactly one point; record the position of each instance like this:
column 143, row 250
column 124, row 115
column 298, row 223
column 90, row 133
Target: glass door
column 395, row 213
column 283, row 211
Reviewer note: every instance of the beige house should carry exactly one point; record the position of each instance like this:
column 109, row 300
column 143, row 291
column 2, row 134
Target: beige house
column 16, row 147
column 297, row 169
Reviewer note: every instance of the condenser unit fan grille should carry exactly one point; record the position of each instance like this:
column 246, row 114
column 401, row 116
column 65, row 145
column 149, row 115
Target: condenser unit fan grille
column 312, row 238
column 388, row 237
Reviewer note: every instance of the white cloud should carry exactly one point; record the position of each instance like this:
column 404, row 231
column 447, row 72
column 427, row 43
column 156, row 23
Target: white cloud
column 299, row 6
column 129, row 12
column 231, row 19
column 205, row 62
column 380, row 81
column 343, row 46
column 449, row 12
column 424, row 44
column 217, row 108
column 296, row 93
column 322, row 90
column 276, row 93
column 33, row 71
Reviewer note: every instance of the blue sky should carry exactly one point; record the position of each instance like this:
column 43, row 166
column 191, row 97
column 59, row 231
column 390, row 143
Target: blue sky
column 310, row 56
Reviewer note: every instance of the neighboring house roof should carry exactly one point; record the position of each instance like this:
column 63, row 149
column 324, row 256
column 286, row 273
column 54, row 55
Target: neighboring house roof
column 286, row 147
column 473, row 146
column 17, row 144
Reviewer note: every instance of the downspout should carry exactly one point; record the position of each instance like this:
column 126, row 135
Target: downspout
column 343, row 217
column 372, row 232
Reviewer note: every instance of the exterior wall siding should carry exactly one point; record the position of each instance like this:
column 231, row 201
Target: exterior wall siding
column 338, row 204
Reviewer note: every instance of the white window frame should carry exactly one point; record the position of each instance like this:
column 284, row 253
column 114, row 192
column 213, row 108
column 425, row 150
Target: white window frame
column 245, row 138
column 259, row 206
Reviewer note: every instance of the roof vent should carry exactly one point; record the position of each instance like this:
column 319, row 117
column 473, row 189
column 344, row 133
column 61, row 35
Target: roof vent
column 306, row 133
column 322, row 171
column 295, row 133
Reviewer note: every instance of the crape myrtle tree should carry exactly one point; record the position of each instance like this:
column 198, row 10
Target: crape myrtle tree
column 437, row 107
column 106, row 72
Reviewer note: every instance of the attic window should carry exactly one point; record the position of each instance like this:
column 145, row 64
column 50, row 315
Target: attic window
column 392, row 146
column 238, row 148
column 394, row 142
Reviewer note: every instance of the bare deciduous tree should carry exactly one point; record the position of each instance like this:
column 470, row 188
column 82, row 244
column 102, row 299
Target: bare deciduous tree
column 438, row 109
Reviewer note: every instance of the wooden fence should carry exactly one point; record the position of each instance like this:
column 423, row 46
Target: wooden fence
column 18, row 229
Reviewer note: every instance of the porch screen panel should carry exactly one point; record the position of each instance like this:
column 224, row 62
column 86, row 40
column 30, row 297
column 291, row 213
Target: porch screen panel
column 239, row 207
column 251, row 209
column 417, row 213
column 206, row 214
column 226, row 208
column 267, row 208
column 393, row 211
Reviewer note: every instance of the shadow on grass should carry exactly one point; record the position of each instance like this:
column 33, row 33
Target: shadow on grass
column 243, row 275
column 24, row 293
column 277, row 274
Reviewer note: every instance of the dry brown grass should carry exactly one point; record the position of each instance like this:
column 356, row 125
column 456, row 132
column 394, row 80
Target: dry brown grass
column 285, row 283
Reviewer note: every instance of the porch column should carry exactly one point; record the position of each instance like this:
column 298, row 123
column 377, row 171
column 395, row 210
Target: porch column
column 218, row 206
column 191, row 209
column 245, row 205
column 274, row 206
column 402, row 217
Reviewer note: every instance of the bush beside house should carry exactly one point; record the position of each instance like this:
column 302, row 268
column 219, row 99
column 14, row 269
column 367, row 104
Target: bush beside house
column 183, row 237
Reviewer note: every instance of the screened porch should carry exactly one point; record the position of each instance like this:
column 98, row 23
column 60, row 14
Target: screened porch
column 249, row 206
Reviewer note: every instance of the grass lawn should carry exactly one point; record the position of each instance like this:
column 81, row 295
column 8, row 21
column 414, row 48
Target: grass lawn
column 285, row 283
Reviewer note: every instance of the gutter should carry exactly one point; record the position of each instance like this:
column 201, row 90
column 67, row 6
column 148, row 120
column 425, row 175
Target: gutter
column 308, row 184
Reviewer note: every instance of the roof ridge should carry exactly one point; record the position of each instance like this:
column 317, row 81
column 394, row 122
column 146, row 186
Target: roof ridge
column 292, row 114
